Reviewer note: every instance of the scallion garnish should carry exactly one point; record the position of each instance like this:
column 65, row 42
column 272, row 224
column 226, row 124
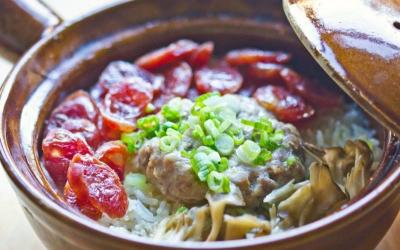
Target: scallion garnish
column 271, row 141
column 198, row 132
column 264, row 156
column 291, row 160
column 169, row 143
column 223, row 164
column 263, row 125
column 203, row 97
column 248, row 122
column 224, row 126
column 170, row 113
column 248, row 152
column 213, row 123
column 218, row 182
column 148, row 124
column 136, row 181
column 183, row 126
column 211, row 129
column 237, row 135
column 173, row 132
column 208, row 140
column 181, row 210
column 224, row 144
column 214, row 157
column 133, row 141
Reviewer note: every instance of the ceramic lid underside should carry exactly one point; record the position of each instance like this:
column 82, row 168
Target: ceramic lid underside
column 357, row 42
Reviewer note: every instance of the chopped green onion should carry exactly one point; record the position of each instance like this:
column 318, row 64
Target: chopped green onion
column 263, row 157
column 208, row 140
column 202, row 165
column 184, row 126
column 164, row 127
column 200, row 157
column 237, row 135
column 136, row 181
column 224, row 126
column 248, row 152
column 148, row 124
column 279, row 135
column 204, row 170
column 224, row 144
column 205, row 149
column 214, row 157
column 256, row 135
column 263, row 125
column 198, row 132
column 181, row 210
column 205, row 114
column 211, row 129
column 248, row 123
column 193, row 120
column 187, row 154
column 291, row 160
column 223, row 165
column 203, row 97
column 227, row 114
column 271, row 141
column 218, row 182
column 217, row 123
column 168, row 143
column 133, row 141
column 170, row 113
column 173, row 132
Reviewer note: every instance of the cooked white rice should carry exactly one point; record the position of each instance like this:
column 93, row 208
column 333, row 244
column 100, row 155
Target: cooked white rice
column 340, row 126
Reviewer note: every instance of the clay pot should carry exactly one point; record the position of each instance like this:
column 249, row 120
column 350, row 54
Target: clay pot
column 71, row 56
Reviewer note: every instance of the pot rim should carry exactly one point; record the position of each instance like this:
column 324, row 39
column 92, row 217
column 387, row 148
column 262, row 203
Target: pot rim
column 323, row 226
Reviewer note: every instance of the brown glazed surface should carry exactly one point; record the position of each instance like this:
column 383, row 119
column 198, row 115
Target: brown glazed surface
column 22, row 22
column 74, row 55
column 358, row 44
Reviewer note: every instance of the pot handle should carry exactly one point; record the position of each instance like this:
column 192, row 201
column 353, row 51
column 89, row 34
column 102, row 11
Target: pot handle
column 23, row 22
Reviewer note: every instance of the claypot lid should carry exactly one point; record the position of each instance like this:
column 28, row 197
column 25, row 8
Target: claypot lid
column 357, row 43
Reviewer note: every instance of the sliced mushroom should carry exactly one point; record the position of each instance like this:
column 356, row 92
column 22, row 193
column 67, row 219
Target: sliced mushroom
column 218, row 202
column 274, row 218
column 313, row 200
column 238, row 227
column 324, row 190
column 343, row 161
column 292, row 208
column 200, row 224
column 173, row 228
column 191, row 225
column 358, row 177
column 281, row 193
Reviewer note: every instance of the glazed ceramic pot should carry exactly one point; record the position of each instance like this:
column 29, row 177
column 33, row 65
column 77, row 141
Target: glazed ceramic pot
column 72, row 55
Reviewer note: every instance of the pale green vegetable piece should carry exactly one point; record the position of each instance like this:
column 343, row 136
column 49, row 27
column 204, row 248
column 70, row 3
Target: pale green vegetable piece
column 136, row 181
column 281, row 193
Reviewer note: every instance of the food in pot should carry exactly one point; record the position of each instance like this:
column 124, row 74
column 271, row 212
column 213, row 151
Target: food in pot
column 183, row 146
